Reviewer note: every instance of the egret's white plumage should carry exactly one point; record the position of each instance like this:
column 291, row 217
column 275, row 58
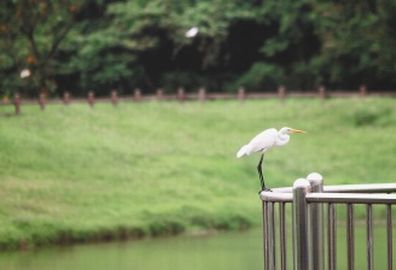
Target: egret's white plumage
column 264, row 141
column 25, row 73
column 192, row 32
column 260, row 143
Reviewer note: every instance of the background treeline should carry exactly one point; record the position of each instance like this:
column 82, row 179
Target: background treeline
column 83, row 45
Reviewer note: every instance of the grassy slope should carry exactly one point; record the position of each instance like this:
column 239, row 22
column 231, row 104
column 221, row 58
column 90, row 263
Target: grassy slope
column 153, row 168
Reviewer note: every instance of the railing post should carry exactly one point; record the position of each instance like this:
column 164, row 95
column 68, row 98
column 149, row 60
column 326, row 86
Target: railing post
column 271, row 235
column 323, row 92
column 370, row 235
column 241, row 94
column 265, row 235
column 66, row 98
column 331, row 236
column 17, row 103
column 300, row 224
column 362, row 90
column 282, row 236
column 137, row 94
column 389, row 234
column 181, row 96
column 281, row 92
column 91, row 98
column 160, row 94
column 316, row 244
column 5, row 100
column 42, row 101
column 202, row 94
column 114, row 97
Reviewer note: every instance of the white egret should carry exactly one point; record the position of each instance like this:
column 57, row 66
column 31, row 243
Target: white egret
column 263, row 142
column 25, row 73
column 192, row 32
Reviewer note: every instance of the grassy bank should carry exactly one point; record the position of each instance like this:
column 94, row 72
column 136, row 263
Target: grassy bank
column 78, row 174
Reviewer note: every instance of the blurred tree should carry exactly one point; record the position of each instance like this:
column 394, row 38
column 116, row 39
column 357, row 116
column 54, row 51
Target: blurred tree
column 83, row 45
column 154, row 35
column 32, row 31
column 287, row 52
column 357, row 37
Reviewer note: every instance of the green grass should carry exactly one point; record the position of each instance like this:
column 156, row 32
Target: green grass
column 77, row 174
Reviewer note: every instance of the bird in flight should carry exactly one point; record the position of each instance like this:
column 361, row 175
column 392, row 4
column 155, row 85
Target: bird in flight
column 263, row 142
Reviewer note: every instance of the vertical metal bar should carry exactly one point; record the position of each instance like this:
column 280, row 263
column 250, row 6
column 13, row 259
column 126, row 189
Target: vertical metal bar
column 293, row 238
column 316, row 247
column 271, row 235
column 389, row 235
column 282, row 236
column 331, row 237
column 300, row 221
column 350, row 237
column 265, row 234
column 369, row 219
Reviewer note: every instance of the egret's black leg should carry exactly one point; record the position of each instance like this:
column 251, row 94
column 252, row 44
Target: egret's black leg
column 261, row 176
column 260, row 173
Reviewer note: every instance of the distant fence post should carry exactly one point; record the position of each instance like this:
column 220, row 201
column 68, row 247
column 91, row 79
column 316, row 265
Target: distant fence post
column 137, row 94
column 114, row 97
column 66, row 98
column 160, row 94
column 300, row 224
column 202, row 94
column 281, row 92
column 181, row 96
column 5, row 100
column 241, row 94
column 91, row 98
column 17, row 103
column 363, row 90
column 42, row 101
column 322, row 92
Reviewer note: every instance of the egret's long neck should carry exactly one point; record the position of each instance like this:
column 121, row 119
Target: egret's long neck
column 282, row 139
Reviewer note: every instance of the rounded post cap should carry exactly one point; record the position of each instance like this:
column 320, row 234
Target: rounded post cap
column 301, row 183
column 315, row 177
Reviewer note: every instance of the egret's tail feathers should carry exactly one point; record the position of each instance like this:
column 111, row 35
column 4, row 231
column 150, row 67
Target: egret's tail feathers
column 244, row 151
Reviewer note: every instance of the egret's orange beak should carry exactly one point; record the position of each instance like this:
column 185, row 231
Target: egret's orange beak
column 297, row 131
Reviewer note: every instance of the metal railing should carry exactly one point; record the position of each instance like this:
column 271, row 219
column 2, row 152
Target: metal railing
column 313, row 207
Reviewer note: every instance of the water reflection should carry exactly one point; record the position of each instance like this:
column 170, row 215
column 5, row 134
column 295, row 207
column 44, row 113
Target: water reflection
column 222, row 251
column 226, row 251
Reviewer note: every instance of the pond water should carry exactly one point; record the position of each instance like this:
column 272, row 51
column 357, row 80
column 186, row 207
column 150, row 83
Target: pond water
column 228, row 251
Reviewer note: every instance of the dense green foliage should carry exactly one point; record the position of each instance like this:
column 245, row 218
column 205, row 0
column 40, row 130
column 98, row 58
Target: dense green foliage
column 75, row 173
column 80, row 45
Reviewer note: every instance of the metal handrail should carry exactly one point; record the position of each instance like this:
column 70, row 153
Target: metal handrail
column 357, row 198
column 307, row 198
column 269, row 196
column 361, row 188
